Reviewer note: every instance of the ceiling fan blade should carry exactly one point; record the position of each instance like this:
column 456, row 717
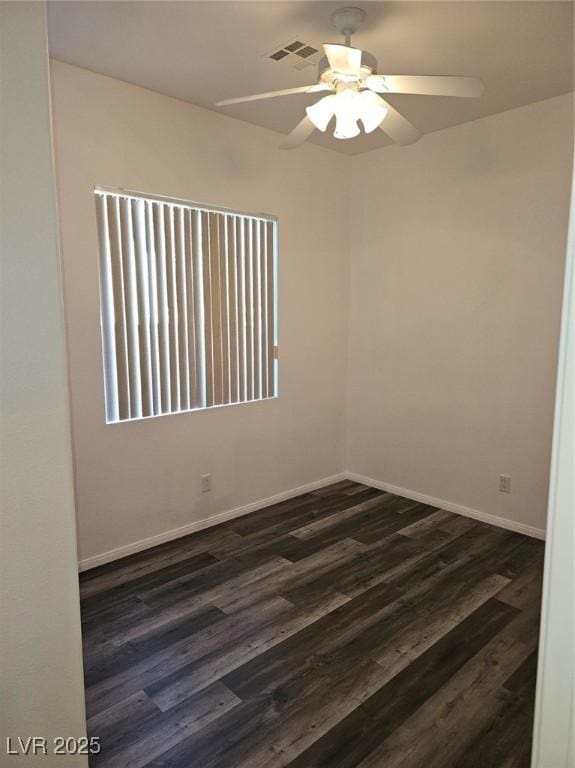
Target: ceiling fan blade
column 272, row 94
column 300, row 133
column 398, row 128
column 343, row 59
column 427, row 85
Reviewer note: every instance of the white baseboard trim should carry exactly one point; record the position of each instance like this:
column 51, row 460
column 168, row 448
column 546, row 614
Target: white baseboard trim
column 208, row 522
column 484, row 517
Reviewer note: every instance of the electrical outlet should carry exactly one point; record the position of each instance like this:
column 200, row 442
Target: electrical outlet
column 505, row 483
column 206, row 483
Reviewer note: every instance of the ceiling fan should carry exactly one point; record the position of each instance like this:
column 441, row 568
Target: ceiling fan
column 357, row 92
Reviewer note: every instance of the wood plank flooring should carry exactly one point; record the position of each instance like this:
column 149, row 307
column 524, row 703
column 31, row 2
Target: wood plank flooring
column 345, row 628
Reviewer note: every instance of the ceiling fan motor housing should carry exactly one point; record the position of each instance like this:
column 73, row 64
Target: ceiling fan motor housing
column 347, row 21
column 368, row 67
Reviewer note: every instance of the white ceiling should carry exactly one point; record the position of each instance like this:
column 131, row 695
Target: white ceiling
column 206, row 51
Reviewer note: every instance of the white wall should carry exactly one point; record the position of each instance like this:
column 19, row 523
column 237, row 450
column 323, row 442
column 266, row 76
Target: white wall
column 136, row 480
column 457, row 255
column 456, row 262
column 41, row 690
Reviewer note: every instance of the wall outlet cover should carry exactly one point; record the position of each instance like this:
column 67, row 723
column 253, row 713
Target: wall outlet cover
column 206, row 483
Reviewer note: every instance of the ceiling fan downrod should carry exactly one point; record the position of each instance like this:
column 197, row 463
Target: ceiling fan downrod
column 347, row 21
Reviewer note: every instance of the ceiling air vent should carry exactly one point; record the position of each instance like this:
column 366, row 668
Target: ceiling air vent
column 296, row 54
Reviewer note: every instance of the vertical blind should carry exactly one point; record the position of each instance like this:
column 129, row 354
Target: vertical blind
column 188, row 305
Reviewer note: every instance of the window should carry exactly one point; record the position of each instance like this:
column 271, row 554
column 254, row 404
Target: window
column 188, row 305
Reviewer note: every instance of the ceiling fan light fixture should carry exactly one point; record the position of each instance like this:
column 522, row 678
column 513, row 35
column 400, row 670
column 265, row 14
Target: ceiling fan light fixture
column 322, row 111
column 351, row 76
column 348, row 106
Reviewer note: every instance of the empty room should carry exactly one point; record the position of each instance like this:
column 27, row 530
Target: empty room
column 287, row 384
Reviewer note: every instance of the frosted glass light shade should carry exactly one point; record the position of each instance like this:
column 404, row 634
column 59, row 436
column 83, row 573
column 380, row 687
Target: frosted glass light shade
column 372, row 110
column 348, row 106
column 322, row 111
column 346, row 126
column 346, row 114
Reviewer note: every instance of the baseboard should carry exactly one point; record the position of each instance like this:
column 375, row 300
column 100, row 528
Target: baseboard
column 484, row 517
column 208, row 522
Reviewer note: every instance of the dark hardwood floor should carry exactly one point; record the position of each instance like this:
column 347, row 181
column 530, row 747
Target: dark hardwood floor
column 347, row 627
